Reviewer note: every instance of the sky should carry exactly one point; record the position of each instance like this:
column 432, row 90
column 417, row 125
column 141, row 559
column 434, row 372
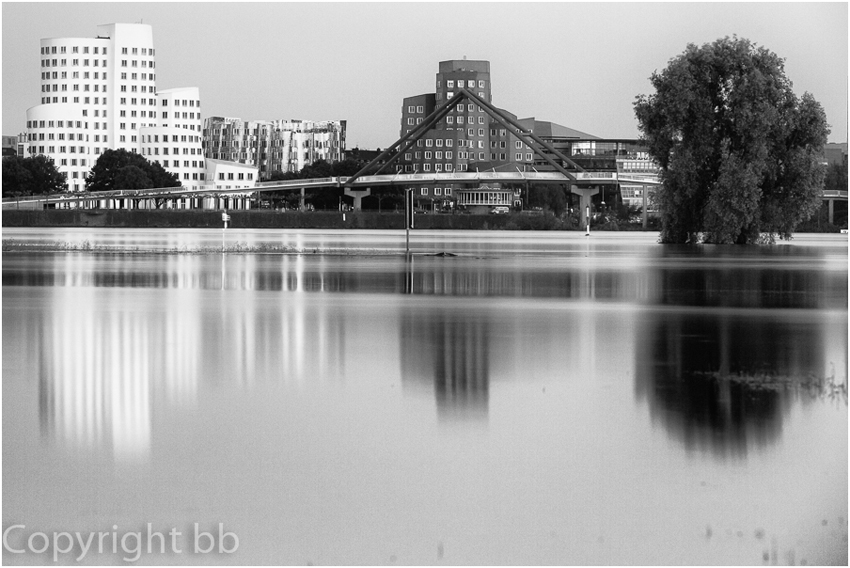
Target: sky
column 580, row 65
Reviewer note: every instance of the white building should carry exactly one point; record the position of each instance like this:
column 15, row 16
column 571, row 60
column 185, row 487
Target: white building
column 274, row 145
column 100, row 93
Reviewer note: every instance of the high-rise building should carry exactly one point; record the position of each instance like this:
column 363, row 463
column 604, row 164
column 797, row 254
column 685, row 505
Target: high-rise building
column 100, row 93
column 274, row 145
column 468, row 139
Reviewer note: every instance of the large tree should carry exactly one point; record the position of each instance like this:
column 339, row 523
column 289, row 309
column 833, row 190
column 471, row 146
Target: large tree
column 120, row 169
column 31, row 176
column 739, row 152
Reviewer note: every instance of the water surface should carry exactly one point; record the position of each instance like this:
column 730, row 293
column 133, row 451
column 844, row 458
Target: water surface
column 540, row 398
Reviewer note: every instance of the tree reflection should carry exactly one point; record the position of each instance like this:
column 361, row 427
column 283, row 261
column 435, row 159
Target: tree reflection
column 452, row 352
column 718, row 364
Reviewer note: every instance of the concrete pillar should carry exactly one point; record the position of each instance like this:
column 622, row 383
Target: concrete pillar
column 358, row 195
column 645, row 213
column 586, row 193
column 301, row 200
column 831, row 210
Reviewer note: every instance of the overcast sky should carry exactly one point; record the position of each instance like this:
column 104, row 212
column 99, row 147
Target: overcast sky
column 580, row 65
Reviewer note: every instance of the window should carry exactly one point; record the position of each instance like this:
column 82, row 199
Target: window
column 518, row 157
column 460, row 83
column 411, row 109
column 480, row 83
column 450, row 95
column 429, row 143
column 448, row 155
column 528, row 156
column 460, row 120
column 450, row 84
column 420, row 109
column 410, row 121
column 427, row 155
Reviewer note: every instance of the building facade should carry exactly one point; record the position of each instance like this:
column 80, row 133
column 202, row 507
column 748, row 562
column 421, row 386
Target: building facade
column 276, row 145
column 100, row 94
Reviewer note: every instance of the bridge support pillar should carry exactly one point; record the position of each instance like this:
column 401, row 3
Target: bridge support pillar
column 586, row 193
column 301, row 200
column 358, row 195
column 831, row 210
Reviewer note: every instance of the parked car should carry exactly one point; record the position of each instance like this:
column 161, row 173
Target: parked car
column 500, row 210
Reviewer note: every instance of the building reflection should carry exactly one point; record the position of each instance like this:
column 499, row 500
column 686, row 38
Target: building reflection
column 112, row 360
column 420, row 275
column 719, row 365
column 450, row 351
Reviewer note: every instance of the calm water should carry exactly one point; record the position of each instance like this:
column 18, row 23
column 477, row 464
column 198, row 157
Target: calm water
column 540, row 398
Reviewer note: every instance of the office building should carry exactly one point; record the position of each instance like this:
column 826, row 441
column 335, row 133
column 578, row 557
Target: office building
column 274, row 145
column 100, row 93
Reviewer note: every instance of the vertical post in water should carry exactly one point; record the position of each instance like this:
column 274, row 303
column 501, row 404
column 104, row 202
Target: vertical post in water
column 587, row 218
column 408, row 217
column 224, row 217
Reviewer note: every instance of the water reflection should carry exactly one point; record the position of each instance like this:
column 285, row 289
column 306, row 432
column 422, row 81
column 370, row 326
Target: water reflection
column 451, row 351
column 719, row 364
column 108, row 359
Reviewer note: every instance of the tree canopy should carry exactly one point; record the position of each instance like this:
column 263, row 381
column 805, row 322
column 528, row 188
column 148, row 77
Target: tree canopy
column 120, row 169
column 739, row 152
column 31, row 176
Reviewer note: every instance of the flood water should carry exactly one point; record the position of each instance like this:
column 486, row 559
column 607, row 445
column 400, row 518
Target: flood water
column 539, row 398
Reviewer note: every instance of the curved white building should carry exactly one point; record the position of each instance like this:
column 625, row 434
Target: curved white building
column 175, row 141
column 100, row 93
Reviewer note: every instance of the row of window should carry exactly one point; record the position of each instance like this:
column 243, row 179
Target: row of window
column 134, row 76
column 47, row 75
column 415, row 109
column 240, row 176
column 76, row 87
column 62, row 149
column 135, row 51
column 134, row 101
column 437, row 191
column 276, row 144
column 76, row 63
column 51, row 50
column 64, row 162
column 32, row 137
column 133, row 63
column 414, row 168
column 86, row 100
column 176, row 151
column 58, row 123
column 463, row 84
column 640, row 166
column 437, row 155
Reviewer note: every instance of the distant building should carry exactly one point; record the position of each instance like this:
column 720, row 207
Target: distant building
column 100, row 94
column 835, row 153
column 10, row 146
column 468, row 139
column 276, row 145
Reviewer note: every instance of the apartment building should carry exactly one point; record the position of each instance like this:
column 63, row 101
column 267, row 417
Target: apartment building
column 467, row 139
column 274, row 145
column 100, row 93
